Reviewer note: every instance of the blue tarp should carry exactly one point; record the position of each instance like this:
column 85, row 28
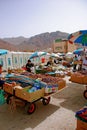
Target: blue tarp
column 3, row 51
column 37, row 54
column 78, row 51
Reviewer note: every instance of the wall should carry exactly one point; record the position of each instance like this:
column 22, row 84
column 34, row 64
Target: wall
column 60, row 46
column 71, row 47
column 63, row 47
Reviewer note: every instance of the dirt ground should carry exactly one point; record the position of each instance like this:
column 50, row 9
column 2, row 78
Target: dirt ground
column 59, row 114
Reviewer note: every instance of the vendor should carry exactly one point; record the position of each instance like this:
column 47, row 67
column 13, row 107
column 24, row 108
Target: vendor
column 56, row 61
column 75, row 59
column 80, row 62
column 49, row 63
column 29, row 65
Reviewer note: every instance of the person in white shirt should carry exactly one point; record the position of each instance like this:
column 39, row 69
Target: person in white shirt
column 33, row 69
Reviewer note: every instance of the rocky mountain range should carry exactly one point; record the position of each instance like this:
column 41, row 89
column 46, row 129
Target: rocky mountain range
column 37, row 42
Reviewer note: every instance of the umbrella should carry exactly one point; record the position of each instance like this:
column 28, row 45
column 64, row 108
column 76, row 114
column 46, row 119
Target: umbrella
column 54, row 55
column 38, row 54
column 78, row 51
column 79, row 37
column 3, row 51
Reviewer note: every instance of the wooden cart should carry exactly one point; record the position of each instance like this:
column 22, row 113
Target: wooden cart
column 23, row 96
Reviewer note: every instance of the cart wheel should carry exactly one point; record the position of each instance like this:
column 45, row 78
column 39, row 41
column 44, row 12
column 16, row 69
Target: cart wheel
column 30, row 108
column 8, row 99
column 46, row 101
column 85, row 94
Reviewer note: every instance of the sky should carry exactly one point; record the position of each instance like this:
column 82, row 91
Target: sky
column 32, row 17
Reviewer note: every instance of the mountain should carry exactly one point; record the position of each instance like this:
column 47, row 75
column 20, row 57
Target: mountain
column 15, row 40
column 37, row 42
column 7, row 45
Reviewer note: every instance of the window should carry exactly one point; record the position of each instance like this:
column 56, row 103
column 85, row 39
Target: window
column 1, row 61
column 15, row 60
column 9, row 61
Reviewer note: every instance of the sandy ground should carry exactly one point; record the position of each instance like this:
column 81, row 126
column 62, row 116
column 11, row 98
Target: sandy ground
column 58, row 115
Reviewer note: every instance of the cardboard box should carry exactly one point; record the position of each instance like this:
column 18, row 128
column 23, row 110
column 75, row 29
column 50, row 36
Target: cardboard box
column 8, row 88
column 30, row 97
column 61, row 84
column 81, row 125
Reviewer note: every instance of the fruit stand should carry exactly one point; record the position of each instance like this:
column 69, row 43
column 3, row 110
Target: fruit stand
column 48, row 79
column 30, row 88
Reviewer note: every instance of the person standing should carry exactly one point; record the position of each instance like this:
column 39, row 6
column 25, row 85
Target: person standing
column 80, row 62
column 75, row 59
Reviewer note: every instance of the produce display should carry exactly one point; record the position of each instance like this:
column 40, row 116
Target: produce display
column 23, row 90
column 53, row 83
column 30, row 88
column 21, row 80
column 81, row 116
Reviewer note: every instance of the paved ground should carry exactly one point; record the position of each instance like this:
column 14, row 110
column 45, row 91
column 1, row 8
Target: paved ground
column 58, row 115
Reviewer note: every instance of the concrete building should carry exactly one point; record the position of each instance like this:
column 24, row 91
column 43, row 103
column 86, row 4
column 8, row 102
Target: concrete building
column 63, row 46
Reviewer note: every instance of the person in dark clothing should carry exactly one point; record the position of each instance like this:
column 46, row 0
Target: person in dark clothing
column 29, row 65
column 49, row 63
column 75, row 59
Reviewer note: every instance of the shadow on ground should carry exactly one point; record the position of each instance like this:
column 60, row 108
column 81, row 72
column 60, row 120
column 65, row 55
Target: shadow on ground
column 19, row 120
column 72, row 97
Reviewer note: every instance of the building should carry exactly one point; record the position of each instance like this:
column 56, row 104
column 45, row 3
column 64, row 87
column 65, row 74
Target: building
column 71, row 47
column 63, row 46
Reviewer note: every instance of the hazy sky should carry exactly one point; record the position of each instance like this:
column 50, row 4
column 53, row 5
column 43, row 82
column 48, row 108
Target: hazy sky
column 31, row 17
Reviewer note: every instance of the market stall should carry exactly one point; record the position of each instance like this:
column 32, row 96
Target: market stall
column 26, row 92
column 55, row 83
